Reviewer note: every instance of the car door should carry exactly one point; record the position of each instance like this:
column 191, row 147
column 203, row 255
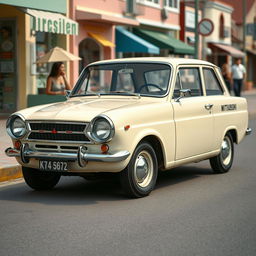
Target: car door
column 223, row 105
column 192, row 114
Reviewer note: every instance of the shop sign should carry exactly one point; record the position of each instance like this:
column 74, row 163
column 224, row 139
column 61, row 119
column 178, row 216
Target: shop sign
column 52, row 22
column 60, row 26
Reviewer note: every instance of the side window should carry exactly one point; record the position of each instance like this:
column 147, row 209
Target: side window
column 212, row 84
column 190, row 79
column 177, row 88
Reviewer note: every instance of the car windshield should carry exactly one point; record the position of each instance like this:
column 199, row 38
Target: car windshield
column 145, row 79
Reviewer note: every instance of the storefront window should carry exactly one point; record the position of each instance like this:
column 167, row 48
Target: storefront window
column 222, row 28
column 8, row 73
column 171, row 3
column 44, row 43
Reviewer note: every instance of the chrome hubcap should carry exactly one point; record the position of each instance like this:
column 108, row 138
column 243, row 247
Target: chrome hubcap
column 143, row 169
column 226, row 152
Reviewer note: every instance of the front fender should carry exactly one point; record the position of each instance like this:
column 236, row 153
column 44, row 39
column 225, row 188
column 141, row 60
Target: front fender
column 164, row 133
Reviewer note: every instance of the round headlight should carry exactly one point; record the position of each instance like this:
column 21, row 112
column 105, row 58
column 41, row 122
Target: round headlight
column 16, row 127
column 102, row 129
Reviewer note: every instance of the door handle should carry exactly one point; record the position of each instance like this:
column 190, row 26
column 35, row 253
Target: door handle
column 208, row 106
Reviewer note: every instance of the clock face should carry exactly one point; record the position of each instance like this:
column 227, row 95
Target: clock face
column 205, row 27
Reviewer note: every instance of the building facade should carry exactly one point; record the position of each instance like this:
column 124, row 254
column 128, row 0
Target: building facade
column 248, row 7
column 28, row 29
column 220, row 40
column 125, row 28
column 187, row 23
column 250, row 45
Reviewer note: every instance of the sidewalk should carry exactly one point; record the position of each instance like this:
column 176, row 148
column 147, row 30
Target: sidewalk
column 10, row 169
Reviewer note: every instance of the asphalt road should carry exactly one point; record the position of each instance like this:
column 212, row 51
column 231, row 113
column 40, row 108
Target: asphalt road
column 191, row 212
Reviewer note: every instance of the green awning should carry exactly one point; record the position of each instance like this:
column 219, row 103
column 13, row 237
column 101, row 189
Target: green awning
column 164, row 41
column 128, row 42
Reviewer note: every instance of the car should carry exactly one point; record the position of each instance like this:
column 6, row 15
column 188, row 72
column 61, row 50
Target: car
column 134, row 117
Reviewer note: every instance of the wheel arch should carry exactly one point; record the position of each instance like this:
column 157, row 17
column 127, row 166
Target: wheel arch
column 156, row 143
column 233, row 133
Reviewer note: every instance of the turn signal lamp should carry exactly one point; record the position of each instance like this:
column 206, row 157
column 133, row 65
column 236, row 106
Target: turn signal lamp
column 127, row 127
column 104, row 148
column 17, row 144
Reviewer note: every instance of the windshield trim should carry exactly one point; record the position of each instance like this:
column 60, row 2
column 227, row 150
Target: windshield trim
column 85, row 70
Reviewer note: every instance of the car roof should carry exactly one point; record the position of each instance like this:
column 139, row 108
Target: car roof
column 170, row 60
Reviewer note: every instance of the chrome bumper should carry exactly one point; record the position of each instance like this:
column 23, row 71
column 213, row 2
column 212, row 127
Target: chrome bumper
column 248, row 131
column 81, row 156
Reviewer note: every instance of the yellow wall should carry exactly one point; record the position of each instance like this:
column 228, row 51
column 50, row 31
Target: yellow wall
column 214, row 15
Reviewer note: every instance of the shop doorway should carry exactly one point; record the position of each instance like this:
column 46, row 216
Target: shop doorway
column 8, row 66
column 222, row 59
column 89, row 51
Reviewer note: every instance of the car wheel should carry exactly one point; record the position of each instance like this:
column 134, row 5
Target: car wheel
column 223, row 162
column 39, row 180
column 138, row 179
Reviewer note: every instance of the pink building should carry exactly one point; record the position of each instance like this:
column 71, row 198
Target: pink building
column 117, row 28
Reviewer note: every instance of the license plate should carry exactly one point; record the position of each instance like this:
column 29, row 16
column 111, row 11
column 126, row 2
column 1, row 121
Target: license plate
column 56, row 166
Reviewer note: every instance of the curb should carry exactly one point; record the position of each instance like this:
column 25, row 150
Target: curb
column 10, row 172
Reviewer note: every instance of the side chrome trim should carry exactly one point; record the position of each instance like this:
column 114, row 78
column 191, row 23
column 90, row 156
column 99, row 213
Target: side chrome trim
column 117, row 157
column 248, row 131
column 81, row 156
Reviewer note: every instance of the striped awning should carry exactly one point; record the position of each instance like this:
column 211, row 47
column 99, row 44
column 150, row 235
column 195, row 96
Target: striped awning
column 230, row 50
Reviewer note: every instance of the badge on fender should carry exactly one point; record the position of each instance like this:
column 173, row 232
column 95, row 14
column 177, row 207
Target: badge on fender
column 228, row 107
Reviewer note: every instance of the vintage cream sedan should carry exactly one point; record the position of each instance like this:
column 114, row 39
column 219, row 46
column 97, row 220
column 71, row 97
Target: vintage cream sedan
column 135, row 117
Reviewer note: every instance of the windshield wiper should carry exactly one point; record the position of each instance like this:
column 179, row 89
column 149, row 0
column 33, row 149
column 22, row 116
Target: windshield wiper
column 126, row 93
column 87, row 94
column 108, row 93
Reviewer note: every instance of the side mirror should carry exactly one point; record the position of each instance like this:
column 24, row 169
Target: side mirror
column 68, row 92
column 183, row 93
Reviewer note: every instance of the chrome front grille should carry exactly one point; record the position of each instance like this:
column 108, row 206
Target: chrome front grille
column 57, row 131
column 58, row 126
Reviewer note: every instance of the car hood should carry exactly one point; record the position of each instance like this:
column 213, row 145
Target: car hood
column 76, row 109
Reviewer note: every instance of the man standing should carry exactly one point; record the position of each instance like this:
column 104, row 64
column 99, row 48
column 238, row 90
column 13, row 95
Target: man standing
column 238, row 75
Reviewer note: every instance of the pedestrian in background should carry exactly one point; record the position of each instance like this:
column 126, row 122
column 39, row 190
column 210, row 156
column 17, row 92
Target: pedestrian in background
column 226, row 75
column 57, row 82
column 238, row 75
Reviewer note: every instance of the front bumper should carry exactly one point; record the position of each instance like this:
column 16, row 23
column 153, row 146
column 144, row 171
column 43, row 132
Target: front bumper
column 82, row 157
